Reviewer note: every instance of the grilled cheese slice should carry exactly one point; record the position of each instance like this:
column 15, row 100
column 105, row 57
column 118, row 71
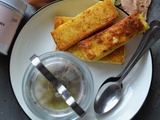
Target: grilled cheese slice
column 106, row 41
column 116, row 57
column 95, row 18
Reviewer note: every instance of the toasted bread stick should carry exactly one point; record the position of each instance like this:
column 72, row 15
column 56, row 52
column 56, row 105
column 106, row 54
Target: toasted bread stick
column 106, row 41
column 116, row 57
column 85, row 24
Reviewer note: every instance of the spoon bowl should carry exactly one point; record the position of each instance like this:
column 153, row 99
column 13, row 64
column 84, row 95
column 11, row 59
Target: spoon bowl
column 112, row 97
column 110, row 92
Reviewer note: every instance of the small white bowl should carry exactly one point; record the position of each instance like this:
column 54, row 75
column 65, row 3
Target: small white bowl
column 42, row 98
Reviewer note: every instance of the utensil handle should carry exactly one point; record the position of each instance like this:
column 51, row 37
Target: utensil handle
column 150, row 37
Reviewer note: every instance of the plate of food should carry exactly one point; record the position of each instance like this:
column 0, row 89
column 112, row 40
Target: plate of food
column 36, row 37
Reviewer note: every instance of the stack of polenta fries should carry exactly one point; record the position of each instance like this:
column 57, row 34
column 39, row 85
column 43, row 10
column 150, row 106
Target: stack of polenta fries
column 94, row 36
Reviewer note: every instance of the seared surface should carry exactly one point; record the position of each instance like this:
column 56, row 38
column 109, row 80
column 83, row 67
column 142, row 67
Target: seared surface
column 116, row 57
column 84, row 24
column 106, row 41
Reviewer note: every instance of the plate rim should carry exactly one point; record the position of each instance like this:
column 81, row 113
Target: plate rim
column 150, row 52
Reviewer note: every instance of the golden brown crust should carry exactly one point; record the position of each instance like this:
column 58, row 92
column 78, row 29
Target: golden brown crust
column 59, row 20
column 116, row 57
column 84, row 24
column 106, row 41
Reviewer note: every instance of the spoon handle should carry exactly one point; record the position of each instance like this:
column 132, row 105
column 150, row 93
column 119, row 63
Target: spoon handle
column 150, row 37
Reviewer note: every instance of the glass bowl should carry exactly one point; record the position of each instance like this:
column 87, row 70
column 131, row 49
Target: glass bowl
column 43, row 99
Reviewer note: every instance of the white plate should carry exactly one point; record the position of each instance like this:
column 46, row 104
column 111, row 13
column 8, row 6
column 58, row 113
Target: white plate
column 35, row 38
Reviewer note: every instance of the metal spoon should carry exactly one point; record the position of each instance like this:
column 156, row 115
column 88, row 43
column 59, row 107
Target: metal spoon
column 110, row 92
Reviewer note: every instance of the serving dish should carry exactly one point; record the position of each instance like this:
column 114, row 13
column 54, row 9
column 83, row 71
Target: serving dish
column 35, row 38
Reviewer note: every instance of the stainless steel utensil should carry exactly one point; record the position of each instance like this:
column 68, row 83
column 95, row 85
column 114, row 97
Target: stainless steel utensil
column 110, row 92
